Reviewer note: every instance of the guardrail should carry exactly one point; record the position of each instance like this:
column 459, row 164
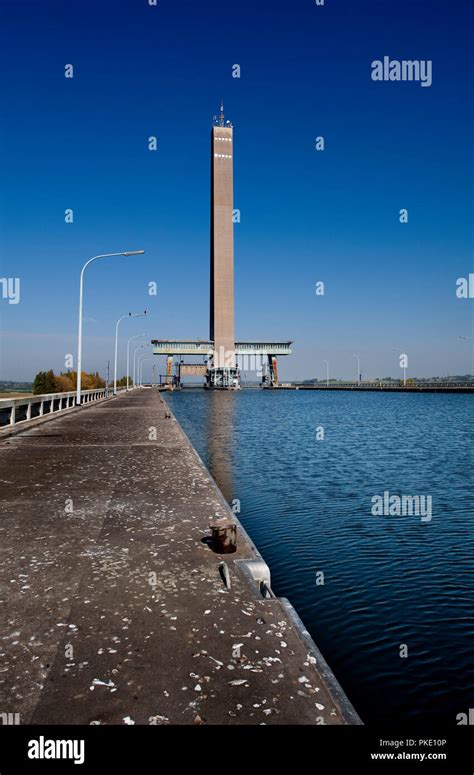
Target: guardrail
column 18, row 410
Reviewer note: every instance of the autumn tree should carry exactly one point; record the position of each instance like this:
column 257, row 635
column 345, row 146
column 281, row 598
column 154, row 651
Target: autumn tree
column 66, row 382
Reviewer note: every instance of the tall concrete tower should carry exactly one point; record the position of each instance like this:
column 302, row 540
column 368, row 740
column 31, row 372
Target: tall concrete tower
column 222, row 371
column 221, row 351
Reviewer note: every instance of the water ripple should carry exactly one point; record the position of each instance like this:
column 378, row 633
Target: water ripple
column 389, row 581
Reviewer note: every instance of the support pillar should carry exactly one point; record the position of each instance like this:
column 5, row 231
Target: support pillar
column 169, row 369
column 273, row 370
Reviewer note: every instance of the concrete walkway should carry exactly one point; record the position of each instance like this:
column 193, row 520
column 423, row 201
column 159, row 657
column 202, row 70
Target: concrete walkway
column 113, row 609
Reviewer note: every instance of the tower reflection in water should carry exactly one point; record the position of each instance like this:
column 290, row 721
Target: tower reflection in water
column 220, row 439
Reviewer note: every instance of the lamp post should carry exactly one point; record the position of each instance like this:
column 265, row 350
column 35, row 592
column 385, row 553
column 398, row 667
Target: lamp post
column 81, row 288
column 327, row 372
column 140, row 364
column 138, row 336
column 144, row 361
column 358, row 367
column 139, row 367
column 130, row 315
column 135, row 373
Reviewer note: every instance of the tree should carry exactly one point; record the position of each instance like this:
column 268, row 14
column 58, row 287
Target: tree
column 122, row 382
column 91, row 381
column 44, row 382
column 66, row 382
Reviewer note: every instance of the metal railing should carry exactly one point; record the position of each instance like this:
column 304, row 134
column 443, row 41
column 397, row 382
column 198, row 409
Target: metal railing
column 18, row 410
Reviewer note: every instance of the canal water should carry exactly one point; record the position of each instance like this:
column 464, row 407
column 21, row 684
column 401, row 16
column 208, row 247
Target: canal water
column 388, row 598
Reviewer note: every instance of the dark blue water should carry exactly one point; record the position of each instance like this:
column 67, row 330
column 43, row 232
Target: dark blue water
column 392, row 584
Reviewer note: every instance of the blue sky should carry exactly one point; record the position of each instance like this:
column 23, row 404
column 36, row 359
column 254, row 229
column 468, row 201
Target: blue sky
column 306, row 216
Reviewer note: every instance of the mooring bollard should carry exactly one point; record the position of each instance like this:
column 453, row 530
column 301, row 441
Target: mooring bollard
column 224, row 536
column 167, row 415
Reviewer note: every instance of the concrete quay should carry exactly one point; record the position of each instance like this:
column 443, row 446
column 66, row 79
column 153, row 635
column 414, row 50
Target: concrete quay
column 114, row 606
column 382, row 388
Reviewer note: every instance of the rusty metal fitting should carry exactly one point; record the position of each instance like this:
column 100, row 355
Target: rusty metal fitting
column 224, row 535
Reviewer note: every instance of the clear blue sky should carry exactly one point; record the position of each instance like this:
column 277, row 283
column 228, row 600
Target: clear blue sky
column 306, row 216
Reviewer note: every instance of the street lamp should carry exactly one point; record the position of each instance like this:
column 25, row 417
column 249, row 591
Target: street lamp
column 135, row 381
column 327, row 372
column 153, row 367
column 141, row 358
column 138, row 336
column 79, row 336
column 358, row 367
column 130, row 315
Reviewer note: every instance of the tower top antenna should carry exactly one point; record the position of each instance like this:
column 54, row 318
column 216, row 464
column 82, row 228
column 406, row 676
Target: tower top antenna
column 220, row 119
